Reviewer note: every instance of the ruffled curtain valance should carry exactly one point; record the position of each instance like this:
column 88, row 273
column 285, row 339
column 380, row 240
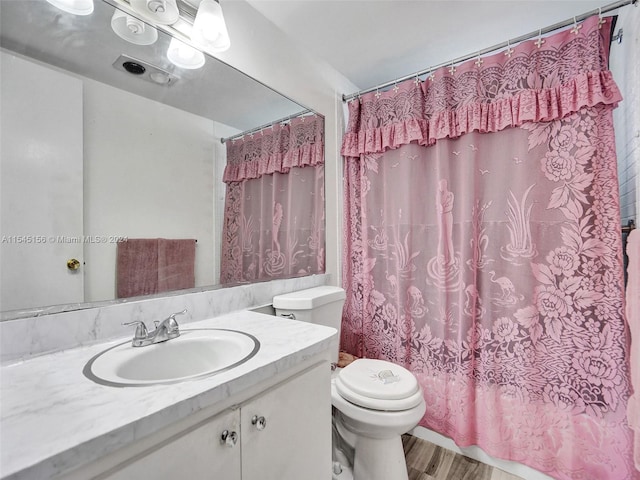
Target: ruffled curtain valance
column 523, row 84
column 300, row 143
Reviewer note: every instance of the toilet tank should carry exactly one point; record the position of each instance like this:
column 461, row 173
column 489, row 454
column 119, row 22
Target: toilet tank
column 320, row 305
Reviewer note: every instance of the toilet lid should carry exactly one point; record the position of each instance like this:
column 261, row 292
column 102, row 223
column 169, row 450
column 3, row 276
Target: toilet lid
column 378, row 385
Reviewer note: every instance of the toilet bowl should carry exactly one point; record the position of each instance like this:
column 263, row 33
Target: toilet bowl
column 374, row 401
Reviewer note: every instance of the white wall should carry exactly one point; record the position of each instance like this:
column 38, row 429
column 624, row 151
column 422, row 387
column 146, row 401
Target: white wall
column 625, row 65
column 262, row 51
column 148, row 173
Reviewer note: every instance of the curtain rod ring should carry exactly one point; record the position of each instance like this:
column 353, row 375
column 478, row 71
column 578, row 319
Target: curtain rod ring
column 601, row 21
column 540, row 40
column 576, row 28
column 509, row 51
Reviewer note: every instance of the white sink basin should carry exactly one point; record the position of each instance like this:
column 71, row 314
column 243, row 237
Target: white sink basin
column 194, row 354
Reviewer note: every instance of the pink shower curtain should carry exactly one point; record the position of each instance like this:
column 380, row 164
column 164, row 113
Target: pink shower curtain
column 633, row 315
column 483, row 251
column 274, row 206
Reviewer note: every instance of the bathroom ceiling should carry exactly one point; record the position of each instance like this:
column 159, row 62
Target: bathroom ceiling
column 374, row 41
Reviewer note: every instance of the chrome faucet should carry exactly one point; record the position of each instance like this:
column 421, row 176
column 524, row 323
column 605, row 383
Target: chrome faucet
column 165, row 330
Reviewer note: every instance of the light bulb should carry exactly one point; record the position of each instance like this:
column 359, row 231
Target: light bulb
column 184, row 56
column 76, row 7
column 209, row 28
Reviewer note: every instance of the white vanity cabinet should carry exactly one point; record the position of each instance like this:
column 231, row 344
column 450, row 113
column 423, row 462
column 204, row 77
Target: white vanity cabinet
column 283, row 433
column 286, row 431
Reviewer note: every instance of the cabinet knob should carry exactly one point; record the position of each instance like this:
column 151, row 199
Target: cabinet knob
column 229, row 438
column 259, row 422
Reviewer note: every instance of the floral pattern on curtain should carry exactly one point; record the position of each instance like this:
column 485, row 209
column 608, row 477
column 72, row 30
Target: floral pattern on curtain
column 483, row 251
column 274, row 206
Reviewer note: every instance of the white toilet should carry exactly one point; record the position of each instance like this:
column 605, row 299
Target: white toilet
column 374, row 401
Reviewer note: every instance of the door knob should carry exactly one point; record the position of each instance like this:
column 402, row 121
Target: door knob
column 73, row 264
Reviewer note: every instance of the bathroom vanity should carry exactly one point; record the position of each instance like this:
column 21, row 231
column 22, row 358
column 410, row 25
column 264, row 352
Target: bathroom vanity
column 268, row 418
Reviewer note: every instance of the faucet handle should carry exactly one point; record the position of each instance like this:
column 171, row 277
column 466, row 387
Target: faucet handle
column 173, row 315
column 171, row 320
column 141, row 329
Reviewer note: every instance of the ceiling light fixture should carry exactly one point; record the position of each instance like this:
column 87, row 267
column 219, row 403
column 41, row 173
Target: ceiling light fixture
column 209, row 27
column 133, row 30
column 164, row 12
column 76, row 7
column 184, row 56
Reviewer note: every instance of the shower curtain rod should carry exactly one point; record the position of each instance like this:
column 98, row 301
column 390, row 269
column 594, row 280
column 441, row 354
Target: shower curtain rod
column 270, row 124
column 511, row 42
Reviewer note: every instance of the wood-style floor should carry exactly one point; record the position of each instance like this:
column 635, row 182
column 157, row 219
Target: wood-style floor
column 426, row 461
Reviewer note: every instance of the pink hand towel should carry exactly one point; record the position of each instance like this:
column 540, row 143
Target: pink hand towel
column 137, row 267
column 176, row 264
column 153, row 265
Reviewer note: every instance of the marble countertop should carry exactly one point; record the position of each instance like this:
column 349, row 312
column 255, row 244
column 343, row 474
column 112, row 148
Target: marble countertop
column 53, row 418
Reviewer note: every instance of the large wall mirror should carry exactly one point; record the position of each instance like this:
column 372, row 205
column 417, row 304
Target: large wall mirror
column 92, row 153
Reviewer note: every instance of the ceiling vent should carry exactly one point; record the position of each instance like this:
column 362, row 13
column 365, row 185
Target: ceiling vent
column 144, row 70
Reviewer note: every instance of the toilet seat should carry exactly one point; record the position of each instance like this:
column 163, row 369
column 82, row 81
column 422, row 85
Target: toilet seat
column 378, row 385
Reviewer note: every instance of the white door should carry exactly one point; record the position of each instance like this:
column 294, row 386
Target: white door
column 41, row 154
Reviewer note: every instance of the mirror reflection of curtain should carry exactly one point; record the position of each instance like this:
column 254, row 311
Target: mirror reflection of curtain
column 274, row 205
column 483, row 252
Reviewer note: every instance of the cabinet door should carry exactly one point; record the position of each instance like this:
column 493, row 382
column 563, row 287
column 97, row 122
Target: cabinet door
column 196, row 454
column 286, row 432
